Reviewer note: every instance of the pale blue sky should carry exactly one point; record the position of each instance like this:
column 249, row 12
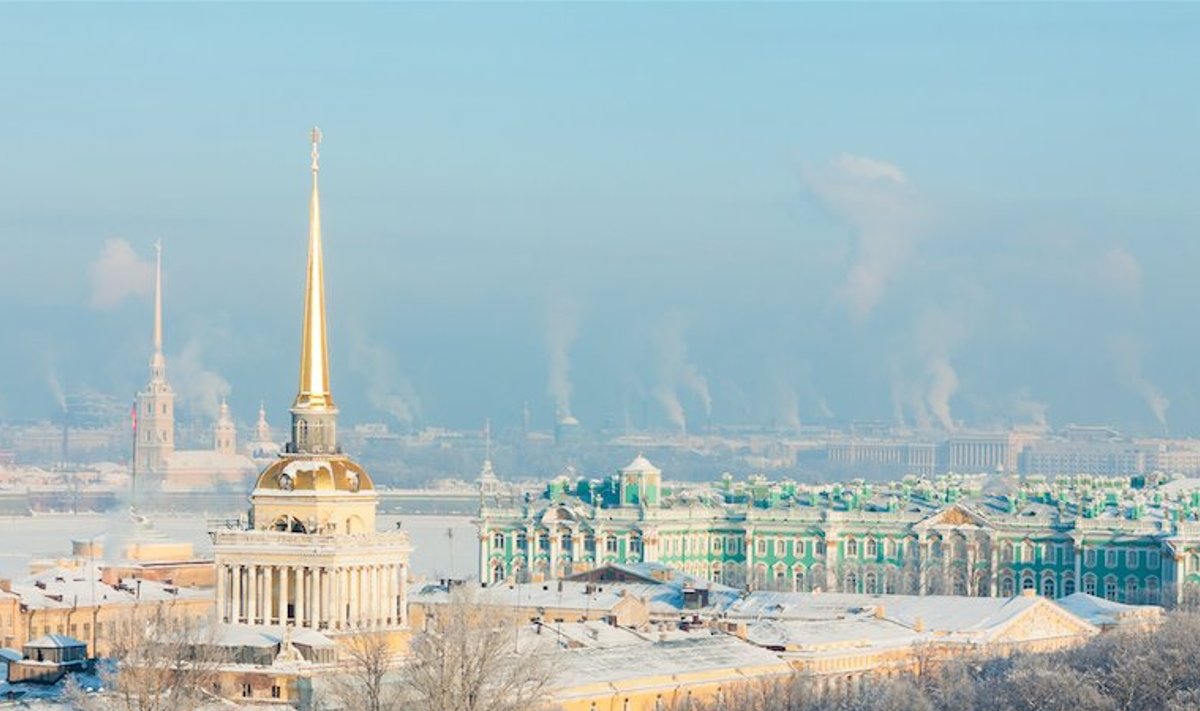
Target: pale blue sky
column 676, row 172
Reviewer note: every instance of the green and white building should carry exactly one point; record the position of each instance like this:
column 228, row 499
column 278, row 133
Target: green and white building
column 982, row 535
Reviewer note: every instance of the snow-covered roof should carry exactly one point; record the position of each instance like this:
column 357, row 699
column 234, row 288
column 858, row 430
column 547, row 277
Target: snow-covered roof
column 55, row 641
column 696, row 654
column 266, row 636
column 80, row 586
column 1105, row 613
column 641, row 465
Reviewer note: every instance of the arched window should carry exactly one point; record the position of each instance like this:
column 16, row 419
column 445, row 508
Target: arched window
column 1131, row 589
column 870, row 581
column 1006, row 551
column 522, row 541
column 1110, row 588
column 1048, row 588
column 1068, row 586
column 1027, row 552
column 1027, row 581
column 781, row 576
column 1006, row 586
column 1089, row 584
column 851, row 547
column 872, row 548
column 1152, row 591
column 498, row 540
column 798, row 581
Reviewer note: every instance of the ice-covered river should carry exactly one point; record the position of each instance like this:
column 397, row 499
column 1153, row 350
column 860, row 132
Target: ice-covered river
column 436, row 553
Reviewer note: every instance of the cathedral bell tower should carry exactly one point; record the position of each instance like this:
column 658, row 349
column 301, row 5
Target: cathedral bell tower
column 155, row 434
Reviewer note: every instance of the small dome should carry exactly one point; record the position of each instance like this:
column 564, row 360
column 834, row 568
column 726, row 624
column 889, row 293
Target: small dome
column 641, row 465
column 315, row 473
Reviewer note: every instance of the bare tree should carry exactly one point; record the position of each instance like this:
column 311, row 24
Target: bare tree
column 467, row 660
column 158, row 661
column 361, row 682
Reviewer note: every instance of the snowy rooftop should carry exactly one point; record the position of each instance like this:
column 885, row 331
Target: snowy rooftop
column 695, row 654
column 939, row 614
column 1106, row 613
column 80, row 586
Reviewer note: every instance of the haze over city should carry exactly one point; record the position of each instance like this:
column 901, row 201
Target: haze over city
column 645, row 215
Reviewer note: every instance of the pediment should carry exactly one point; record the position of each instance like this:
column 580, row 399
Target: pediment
column 1041, row 621
column 954, row 516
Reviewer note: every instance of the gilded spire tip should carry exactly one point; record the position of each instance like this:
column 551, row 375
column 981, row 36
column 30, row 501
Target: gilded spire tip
column 316, row 154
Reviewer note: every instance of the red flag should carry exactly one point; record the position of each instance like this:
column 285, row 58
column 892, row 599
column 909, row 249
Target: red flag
column 133, row 416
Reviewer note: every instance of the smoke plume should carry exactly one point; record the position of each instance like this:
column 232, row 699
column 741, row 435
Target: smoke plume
column 562, row 328
column 676, row 371
column 119, row 273
column 874, row 197
column 388, row 391
column 1128, row 352
column 198, row 387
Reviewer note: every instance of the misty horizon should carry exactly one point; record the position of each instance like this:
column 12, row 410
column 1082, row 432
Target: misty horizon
column 651, row 215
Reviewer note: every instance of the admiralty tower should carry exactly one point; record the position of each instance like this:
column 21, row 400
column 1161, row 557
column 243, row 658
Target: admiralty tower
column 310, row 556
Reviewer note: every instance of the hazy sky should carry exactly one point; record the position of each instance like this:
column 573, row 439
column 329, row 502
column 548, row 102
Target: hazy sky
column 984, row 213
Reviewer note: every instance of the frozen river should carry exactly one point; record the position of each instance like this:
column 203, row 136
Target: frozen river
column 436, row 553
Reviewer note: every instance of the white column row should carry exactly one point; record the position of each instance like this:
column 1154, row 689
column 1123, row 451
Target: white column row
column 345, row 597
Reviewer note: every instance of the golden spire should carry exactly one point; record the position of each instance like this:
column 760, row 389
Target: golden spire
column 314, row 353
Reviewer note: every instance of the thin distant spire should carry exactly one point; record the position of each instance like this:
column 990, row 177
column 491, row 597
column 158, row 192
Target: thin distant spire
column 314, row 393
column 158, row 363
column 487, row 439
column 158, row 311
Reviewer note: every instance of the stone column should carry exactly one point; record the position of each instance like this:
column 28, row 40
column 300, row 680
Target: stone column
column 1180, row 577
column 392, row 618
column 922, row 559
column 338, row 605
column 251, row 594
column 355, row 613
column 319, row 575
column 284, row 574
column 994, row 572
column 1078, row 548
column 236, row 608
column 222, row 602
column 402, row 595
column 268, row 595
column 372, row 597
column 301, row 603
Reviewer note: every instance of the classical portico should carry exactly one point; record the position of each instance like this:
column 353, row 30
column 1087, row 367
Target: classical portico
column 310, row 556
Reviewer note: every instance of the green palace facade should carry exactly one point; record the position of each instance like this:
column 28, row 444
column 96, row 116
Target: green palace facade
column 982, row 535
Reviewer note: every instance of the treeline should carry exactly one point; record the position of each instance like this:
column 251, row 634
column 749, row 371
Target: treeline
column 1127, row 670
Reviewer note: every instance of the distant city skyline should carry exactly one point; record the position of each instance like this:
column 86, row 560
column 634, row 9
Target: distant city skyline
column 659, row 214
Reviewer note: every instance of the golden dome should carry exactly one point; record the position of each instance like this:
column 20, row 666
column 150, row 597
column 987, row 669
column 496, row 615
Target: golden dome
column 315, row 473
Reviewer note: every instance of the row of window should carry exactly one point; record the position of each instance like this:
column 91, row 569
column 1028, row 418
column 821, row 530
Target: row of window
column 674, row 546
column 521, row 541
